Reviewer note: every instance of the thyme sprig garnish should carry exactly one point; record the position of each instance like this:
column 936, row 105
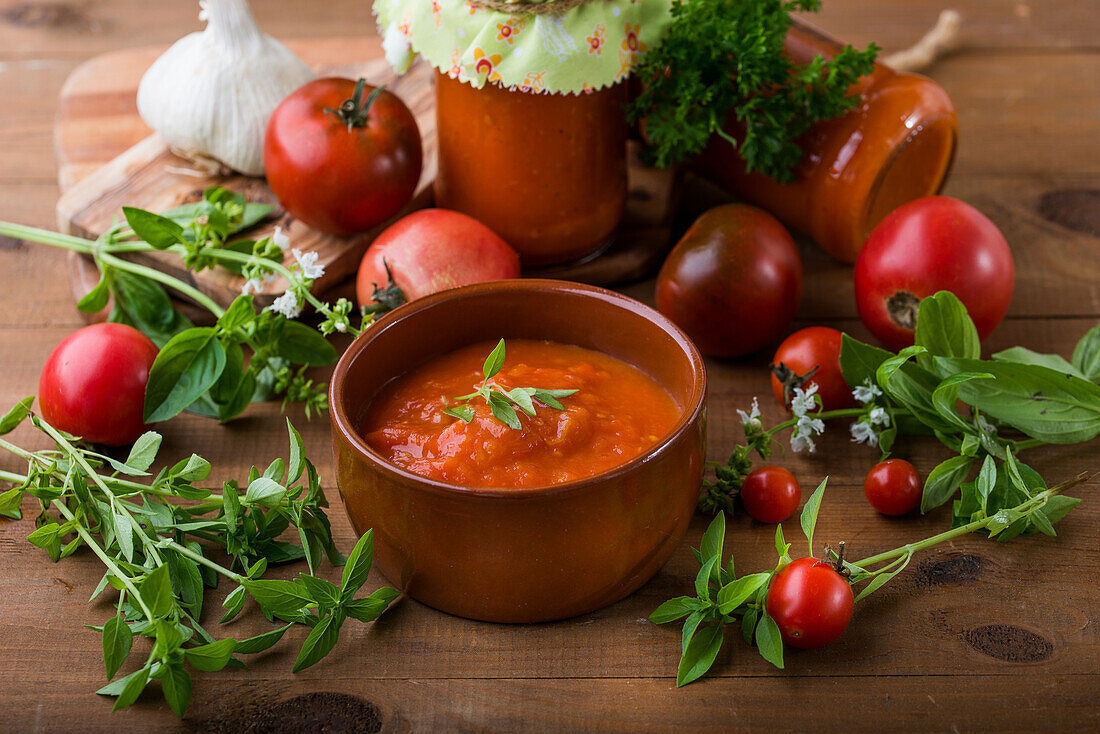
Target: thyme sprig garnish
column 726, row 56
column 160, row 552
column 501, row 402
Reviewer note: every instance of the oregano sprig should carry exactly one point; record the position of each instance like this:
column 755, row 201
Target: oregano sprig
column 161, row 554
column 501, row 402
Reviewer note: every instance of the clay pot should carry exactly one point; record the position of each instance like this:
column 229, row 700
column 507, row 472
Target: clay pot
column 531, row 554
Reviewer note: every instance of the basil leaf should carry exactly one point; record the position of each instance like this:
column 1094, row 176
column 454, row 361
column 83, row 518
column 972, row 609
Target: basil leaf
column 185, row 368
column 156, row 592
column 714, row 538
column 464, row 413
column 1045, row 404
column 941, row 482
column 946, row 396
column 175, row 683
column 324, row 592
column 224, row 390
column 782, row 547
column 808, row 518
column 737, row 592
column 302, row 345
column 259, row 643
column 769, row 641
column 278, row 596
column 1023, row 355
column 10, row 502
column 132, row 686
column 691, row 624
column 504, row 412
column 944, row 328
column 264, row 491
column 522, row 398
column 242, row 397
column 358, row 565
column 319, row 643
column 96, row 299
column 702, row 579
column 370, row 608
column 160, row 232
column 1086, row 355
column 144, row 451
column 212, row 656
column 987, row 480
column 494, row 362
column 145, row 302
column 1058, row 506
column 233, row 604
column 699, row 655
column 192, row 469
column 16, row 415
column 674, row 609
column 859, row 362
column 880, row 579
column 242, row 311
column 117, row 641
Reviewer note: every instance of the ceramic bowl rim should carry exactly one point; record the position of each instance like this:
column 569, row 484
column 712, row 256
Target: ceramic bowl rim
column 341, row 422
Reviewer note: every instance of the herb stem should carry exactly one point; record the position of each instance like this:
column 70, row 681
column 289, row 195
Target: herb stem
column 827, row 415
column 164, row 279
column 199, row 558
column 107, row 560
column 46, row 237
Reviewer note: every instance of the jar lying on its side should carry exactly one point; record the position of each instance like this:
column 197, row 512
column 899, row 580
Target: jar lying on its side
column 547, row 172
column 896, row 145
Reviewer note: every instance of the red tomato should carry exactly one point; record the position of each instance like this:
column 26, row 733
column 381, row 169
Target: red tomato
column 346, row 169
column 432, row 250
column 770, row 494
column 811, row 603
column 732, row 282
column 893, row 487
column 93, row 383
column 815, row 348
column 932, row 244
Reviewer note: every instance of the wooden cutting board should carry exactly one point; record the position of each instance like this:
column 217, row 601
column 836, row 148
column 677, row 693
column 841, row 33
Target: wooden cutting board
column 109, row 158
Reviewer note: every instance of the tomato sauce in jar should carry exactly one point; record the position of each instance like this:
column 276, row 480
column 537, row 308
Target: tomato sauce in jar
column 616, row 414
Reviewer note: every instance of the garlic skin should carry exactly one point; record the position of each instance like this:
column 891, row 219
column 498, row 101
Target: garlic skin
column 210, row 95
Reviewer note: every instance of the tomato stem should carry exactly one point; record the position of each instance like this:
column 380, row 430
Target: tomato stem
column 349, row 112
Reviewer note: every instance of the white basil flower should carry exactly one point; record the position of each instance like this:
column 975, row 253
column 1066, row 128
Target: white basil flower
column 751, row 419
column 879, row 417
column 864, row 432
column 287, row 305
column 252, row 285
column 804, row 431
column 280, row 239
column 803, row 401
column 866, row 392
column 308, row 263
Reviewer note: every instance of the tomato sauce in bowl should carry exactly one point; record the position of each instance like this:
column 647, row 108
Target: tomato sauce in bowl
column 617, row 413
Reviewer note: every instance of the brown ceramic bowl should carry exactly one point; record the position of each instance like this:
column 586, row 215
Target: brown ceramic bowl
column 539, row 553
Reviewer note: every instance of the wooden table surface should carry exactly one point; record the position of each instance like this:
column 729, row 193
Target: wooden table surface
column 974, row 635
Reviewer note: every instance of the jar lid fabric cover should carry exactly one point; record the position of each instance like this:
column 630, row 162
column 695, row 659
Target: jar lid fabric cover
column 591, row 46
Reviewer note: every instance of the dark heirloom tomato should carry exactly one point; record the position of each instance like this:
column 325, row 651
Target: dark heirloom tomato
column 732, row 282
column 93, row 383
column 929, row 245
column 811, row 603
column 338, row 162
column 817, row 349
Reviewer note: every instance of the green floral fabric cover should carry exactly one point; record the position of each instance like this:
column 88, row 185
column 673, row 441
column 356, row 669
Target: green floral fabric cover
column 589, row 47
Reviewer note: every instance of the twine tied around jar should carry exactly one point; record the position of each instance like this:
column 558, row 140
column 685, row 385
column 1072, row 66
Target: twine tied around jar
column 523, row 7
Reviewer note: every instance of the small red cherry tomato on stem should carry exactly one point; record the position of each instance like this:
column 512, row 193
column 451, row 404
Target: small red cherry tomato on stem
column 811, row 356
column 770, row 494
column 342, row 156
column 429, row 251
column 810, row 602
column 929, row 245
column 893, row 487
column 93, row 383
column 732, row 282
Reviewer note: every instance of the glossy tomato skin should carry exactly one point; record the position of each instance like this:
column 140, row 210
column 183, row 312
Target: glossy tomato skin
column 434, row 249
column 733, row 281
column 814, row 346
column 928, row 245
column 811, row 603
column 93, row 383
column 770, row 494
column 893, row 487
column 334, row 179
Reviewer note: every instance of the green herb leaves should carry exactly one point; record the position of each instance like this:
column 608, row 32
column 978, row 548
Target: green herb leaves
column 155, row 551
column 725, row 59
column 503, row 403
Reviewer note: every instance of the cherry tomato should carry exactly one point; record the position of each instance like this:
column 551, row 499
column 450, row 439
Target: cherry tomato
column 93, row 383
column 815, row 348
column 893, row 487
column 770, row 494
column 811, row 603
column 932, row 244
column 342, row 157
column 429, row 251
column 732, row 282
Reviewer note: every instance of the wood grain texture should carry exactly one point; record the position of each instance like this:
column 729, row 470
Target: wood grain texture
column 974, row 636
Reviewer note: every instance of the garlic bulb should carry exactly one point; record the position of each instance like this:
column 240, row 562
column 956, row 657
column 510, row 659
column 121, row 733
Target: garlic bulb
column 211, row 93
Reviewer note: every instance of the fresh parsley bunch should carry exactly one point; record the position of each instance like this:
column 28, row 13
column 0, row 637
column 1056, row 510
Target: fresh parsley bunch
column 726, row 56
column 159, row 552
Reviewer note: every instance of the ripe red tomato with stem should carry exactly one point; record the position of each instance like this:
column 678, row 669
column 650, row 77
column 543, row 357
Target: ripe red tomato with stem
column 810, row 602
column 893, row 487
column 341, row 162
column 93, row 383
column 429, row 251
column 929, row 245
column 770, row 494
column 733, row 281
column 811, row 356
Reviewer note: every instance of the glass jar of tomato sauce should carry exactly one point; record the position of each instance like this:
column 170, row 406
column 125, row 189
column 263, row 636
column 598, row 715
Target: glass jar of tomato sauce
column 896, row 145
column 547, row 172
